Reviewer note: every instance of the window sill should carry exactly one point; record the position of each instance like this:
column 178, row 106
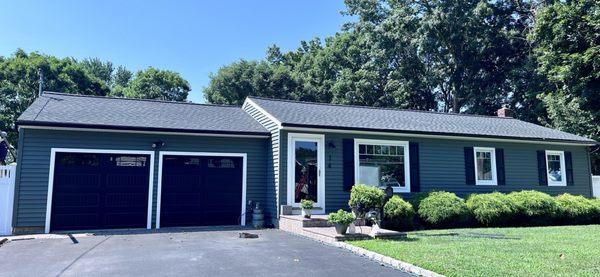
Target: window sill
column 557, row 184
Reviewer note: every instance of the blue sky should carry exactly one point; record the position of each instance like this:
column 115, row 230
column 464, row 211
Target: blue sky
column 193, row 38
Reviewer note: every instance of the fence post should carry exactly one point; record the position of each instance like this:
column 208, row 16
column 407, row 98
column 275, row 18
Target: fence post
column 596, row 186
column 7, row 190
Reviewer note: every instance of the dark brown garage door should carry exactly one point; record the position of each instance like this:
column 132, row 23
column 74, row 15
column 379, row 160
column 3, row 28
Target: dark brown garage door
column 100, row 191
column 201, row 190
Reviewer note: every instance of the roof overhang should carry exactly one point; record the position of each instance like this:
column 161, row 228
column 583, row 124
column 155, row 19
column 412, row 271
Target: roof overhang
column 434, row 135
column 136, row 130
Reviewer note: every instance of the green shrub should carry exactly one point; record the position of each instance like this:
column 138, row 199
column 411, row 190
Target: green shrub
column 306, row 204
column 365, row 198
column 341, row 217
column 416, row 198
column 575, row 209
column 398, row 214
column 534, row 207
column 596, row 202
column 492, row 209
column 443, row 209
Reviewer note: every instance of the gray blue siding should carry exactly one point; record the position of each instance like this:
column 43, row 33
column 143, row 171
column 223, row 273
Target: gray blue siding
column 442, row 167
column 273, row 160
column 34, row 163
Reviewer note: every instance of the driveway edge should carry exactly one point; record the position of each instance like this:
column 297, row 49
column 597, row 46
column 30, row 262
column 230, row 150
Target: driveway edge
column 397, row 264
column 382, row 259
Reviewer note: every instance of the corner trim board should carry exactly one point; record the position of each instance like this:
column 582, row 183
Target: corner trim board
column 53, row 152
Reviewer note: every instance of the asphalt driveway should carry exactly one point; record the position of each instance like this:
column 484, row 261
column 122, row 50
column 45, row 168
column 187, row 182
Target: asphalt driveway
column 184, row 253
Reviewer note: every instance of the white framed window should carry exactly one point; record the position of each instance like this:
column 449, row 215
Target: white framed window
column 382, row 163
column 485, row 166
column 555, row 168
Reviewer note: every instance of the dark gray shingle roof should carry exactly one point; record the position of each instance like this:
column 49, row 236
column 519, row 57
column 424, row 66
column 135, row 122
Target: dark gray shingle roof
column 58, row 109
column 306, row 114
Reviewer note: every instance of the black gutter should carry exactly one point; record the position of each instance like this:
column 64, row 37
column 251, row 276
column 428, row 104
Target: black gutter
column 436, row 133
column 134, row 128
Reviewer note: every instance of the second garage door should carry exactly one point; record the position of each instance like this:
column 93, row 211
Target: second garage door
column 201, row 190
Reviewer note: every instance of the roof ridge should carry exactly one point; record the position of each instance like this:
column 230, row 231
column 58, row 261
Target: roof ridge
column 376, row 108
column 138, row 99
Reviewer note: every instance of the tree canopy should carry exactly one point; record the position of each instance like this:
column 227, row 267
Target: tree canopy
column 541, row 58
column 19, row 81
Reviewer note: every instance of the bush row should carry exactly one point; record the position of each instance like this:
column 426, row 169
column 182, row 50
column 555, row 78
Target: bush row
column 523, row 208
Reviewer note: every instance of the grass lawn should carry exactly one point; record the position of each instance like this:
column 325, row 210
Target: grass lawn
column 536, row 251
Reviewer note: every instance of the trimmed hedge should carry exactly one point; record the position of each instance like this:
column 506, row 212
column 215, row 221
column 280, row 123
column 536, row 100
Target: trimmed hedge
column 416, row 198
column 443, row 209
column 365, row 198
column 520, row 208
column 398, row 214
column 534, row 208
column 492, row 209
column 576, row 209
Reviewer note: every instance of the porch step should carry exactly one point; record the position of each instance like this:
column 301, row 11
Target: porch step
column 318, row 228
column 300, row 221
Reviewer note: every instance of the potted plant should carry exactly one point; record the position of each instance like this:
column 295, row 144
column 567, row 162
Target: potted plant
column 306, row 206
column 341, row 219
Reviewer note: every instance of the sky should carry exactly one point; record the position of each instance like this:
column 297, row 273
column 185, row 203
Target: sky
column 193, row 38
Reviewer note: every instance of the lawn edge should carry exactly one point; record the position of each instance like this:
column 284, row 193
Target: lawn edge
column 382, row 259
column 392, row 262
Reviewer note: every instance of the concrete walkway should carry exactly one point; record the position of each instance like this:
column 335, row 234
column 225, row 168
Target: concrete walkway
column 183, row 252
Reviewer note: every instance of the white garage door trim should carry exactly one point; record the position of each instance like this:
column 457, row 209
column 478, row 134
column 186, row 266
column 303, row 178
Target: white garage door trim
column 98, row 151
column 244, row 157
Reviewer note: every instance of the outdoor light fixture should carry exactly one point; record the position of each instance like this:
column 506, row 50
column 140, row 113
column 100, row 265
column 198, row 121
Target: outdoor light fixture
column 158, row 144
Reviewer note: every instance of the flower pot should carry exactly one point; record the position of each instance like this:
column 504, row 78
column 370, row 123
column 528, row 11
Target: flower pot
column 341, row 228
column 306, row 213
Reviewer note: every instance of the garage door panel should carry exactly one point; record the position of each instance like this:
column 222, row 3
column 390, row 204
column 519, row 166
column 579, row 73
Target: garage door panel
column 124, row 182
column 125, row 200
column 201, row 190
column 77, row 221
column 181, row 218
column 78, row 182
column 176, row 201
column 77, row 200
column 124, row 220
column 190, row 182
column 100, row 191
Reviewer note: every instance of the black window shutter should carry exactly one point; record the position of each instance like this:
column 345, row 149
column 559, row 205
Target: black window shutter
column 542, row 174
column 569, row 168
column 500, row 173
column 348, row 164
column 415, row 177
column 469, row 166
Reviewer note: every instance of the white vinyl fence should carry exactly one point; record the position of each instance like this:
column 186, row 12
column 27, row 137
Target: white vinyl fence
column 596, row 186
column 7, row 190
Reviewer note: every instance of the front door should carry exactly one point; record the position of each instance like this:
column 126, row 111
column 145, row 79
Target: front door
column 306, row 170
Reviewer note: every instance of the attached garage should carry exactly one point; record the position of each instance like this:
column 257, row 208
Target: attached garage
column 88, row 163
column 201, row 189
column 99, row 189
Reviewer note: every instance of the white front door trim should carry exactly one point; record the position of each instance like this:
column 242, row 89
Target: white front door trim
column 320, row 140
column 244, row 157
column 53, row 152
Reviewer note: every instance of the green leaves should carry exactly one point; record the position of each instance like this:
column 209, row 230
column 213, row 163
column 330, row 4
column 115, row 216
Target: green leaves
column 19, row 80
column 158, row 84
